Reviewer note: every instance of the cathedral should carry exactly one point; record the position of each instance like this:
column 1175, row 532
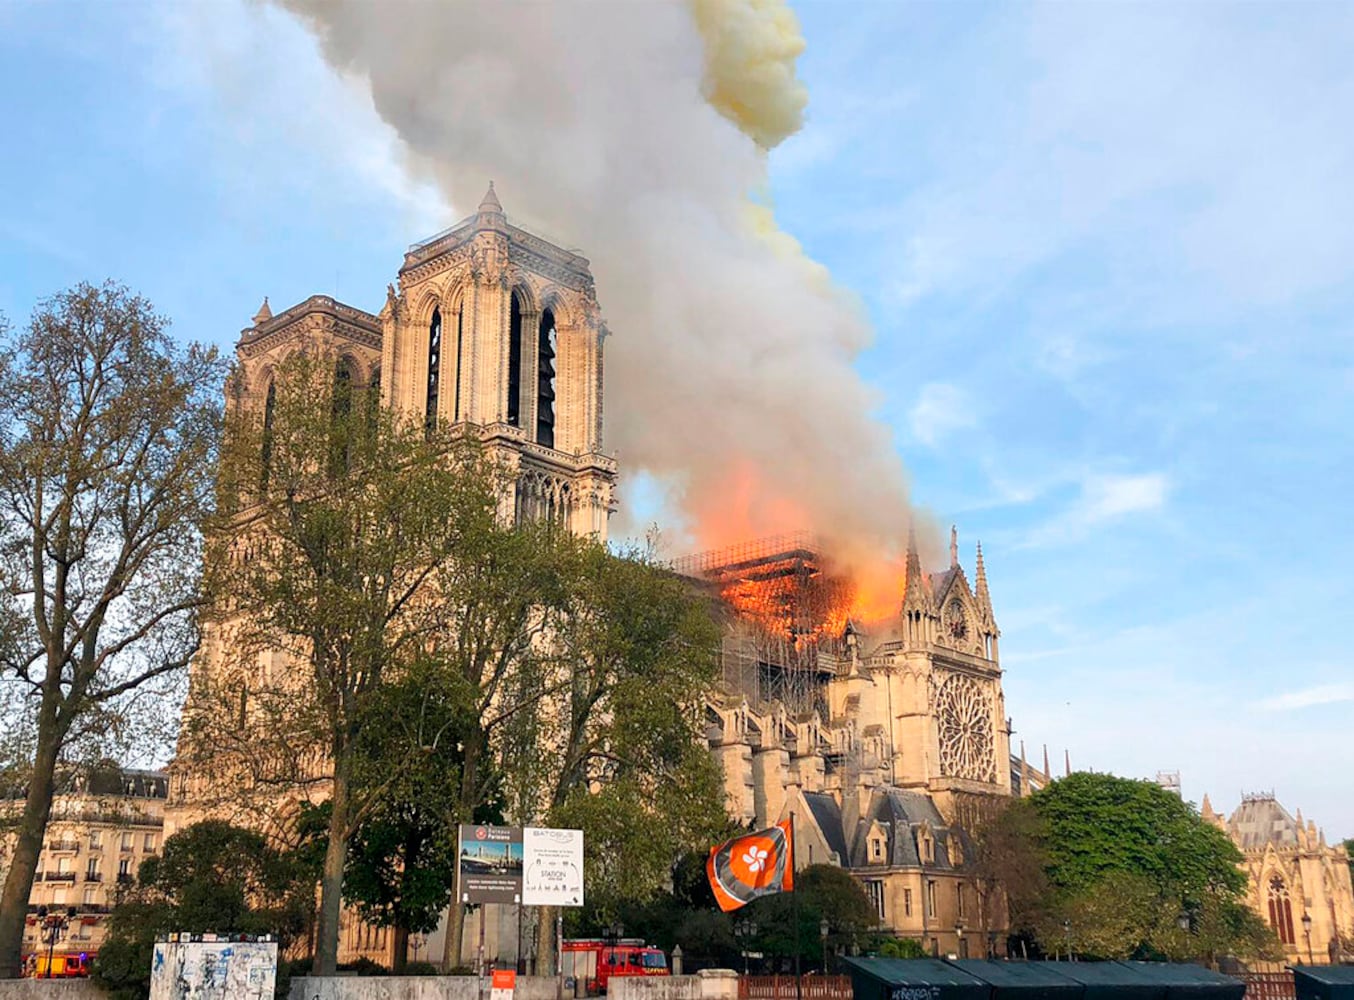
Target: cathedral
column 1299, row 884
column 887, row 741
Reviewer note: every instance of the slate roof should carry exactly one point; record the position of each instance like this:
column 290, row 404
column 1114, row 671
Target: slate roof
column 1260, row 820
column 828, row 815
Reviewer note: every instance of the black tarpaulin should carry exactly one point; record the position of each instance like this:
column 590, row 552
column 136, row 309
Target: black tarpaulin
column 1190, row 982
column 1022, row 980
column 1324, row 982
column 912, row 979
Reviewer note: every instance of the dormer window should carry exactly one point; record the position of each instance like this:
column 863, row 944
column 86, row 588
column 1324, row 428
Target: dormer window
column 928, row 848
column 876, row 850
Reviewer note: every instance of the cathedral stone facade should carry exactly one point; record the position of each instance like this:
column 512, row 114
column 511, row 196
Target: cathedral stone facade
column 1299, row 884
column 889, row 743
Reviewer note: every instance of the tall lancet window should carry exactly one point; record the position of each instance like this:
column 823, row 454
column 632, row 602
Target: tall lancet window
column 340, row 419
column 434, row 368
column 1281, row 910
column 460, row 346
column 515, row 362
column 545, row 381
column 269, row 408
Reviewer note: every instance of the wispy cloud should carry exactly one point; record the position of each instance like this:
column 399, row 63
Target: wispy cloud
column 940, row 410
column 1104, row 498
column 1322, row 694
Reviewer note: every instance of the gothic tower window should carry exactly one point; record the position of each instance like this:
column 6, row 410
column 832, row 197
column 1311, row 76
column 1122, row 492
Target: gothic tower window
column 545, row 385
column 1281, row 910
column 269, row 409
column 340, row 423
column 515, row 361
column 434, row 368
column 373, row 403
column 456, row 389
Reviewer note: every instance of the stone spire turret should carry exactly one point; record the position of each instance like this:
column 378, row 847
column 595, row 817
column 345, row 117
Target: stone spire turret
column 918, row 607
column 489, row 204
column 980, row 591
column 1206, row 810
column 954, row 547
column 264, row 314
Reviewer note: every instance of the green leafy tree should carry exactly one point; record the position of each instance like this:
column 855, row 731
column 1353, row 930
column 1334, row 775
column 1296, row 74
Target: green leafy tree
column 211, row 877
column 902, row 948
column 348, row 525
column 825, row 892
column 108, row 435
column 402, row 859
column 1127, row 862
column 620, row 720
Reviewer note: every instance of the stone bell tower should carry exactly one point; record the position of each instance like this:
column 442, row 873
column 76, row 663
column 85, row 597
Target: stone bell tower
column 496, row 328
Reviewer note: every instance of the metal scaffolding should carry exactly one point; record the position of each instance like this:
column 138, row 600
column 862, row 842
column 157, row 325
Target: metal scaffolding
column 790, row 613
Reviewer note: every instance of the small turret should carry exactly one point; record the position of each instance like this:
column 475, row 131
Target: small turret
column 489, row 204
column 264, row 314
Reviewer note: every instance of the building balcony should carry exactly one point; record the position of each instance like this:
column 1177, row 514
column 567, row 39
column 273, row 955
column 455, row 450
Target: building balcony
column 124, row 878
column 93, row 876
column 61, row 876
column 63, row 845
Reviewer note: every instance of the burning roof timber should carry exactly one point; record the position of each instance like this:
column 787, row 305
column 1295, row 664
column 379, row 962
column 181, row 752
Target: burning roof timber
column 778, row 585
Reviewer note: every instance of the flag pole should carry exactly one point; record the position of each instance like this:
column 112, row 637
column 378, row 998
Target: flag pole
column 794, row 892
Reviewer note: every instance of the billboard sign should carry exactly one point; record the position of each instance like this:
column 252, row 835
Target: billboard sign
column 490, row 867
column 552, row 867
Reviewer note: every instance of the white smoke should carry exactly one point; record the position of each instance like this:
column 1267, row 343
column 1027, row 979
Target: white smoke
column 637, row 131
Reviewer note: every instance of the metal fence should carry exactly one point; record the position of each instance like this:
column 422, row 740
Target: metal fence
column 1270, row 985
column 785, row 988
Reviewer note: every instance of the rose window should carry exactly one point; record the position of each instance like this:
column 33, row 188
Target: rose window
column 964, row 717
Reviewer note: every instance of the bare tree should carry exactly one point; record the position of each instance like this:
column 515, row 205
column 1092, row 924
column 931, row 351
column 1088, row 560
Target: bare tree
column 108, row 435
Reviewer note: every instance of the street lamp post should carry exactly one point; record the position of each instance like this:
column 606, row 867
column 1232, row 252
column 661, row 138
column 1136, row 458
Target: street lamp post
column 53, row 926
column 1067, row 936
column 959, row 938
column 1307, row 933
column 823, row 928
column 745, row 931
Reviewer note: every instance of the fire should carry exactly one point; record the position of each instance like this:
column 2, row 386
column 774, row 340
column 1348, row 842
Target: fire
column 836, row 582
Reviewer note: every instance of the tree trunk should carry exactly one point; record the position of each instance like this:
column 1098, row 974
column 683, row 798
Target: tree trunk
column 452, row 958
column 32, row 826
column 331, row 880
column 399, row 961
column 547, row 948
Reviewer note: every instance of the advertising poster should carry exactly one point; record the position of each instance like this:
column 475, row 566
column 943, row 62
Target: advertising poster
column 490, row 869
column 213, row 970
column 553, row 872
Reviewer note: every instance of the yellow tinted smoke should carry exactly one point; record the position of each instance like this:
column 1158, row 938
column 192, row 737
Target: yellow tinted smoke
column 750, row 52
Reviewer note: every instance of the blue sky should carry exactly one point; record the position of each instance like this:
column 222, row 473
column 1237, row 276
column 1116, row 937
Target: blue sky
column 1107, row 252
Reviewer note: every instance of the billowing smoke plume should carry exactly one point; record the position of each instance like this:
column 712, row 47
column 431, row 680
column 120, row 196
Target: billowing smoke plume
column 637, row 131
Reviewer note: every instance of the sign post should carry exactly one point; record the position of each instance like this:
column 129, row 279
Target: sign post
column 535, row 866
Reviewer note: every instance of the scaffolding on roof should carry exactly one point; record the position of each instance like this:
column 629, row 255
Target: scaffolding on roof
column 791, row 613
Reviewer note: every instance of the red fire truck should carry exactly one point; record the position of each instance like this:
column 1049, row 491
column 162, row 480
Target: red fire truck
column 591, row 962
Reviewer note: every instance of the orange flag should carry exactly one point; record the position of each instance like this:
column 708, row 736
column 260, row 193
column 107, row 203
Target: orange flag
column 753, row 865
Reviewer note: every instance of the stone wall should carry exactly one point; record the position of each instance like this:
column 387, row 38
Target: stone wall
column 50, row 989
column 655, row 988
column 415, row 988
column 712, row 984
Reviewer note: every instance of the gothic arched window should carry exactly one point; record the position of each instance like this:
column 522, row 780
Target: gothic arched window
column 545, row 380
column 1281, row 910
column 373, row 403
column 515, row 361
column 340, row 422
column 434, row 368
column 269, row 408
column 456, row 389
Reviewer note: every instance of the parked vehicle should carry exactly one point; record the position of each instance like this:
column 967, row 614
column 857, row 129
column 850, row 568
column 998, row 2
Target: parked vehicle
column 592, row 962
column 64, row 966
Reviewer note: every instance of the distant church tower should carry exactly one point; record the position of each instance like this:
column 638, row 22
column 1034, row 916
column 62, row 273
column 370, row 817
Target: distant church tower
column 495, row 327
